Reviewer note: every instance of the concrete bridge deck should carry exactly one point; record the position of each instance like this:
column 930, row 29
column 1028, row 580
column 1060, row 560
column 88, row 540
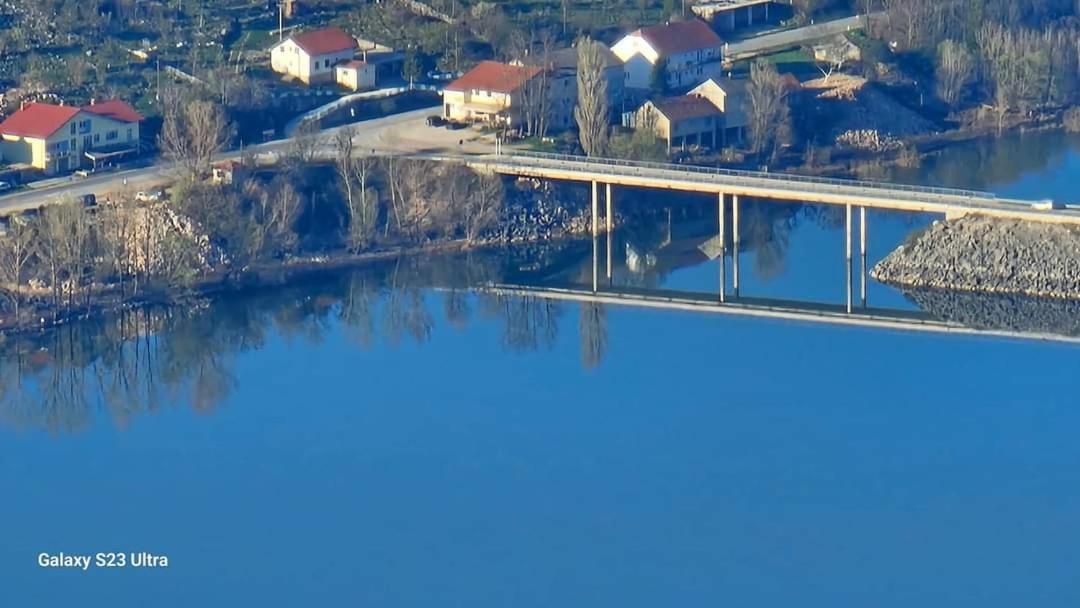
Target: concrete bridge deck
column 781, row 186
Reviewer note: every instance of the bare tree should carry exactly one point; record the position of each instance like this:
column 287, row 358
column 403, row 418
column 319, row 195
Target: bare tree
column 955, row 69
column 835, row 56
column 192, row 132
column 593, row 114
column 769, row 111
column 305, row 144
column 361, row 200
column 482, row 205
column 536, row 91
column 1017, row 65
column 16, row 251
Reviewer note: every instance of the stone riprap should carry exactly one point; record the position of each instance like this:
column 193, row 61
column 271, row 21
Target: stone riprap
column 988, row 255
column 1001, row 312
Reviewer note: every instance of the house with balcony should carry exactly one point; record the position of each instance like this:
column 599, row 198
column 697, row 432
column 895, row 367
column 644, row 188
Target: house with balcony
column 59, row 138
column 311, row 57
column 491, row 92
column 684, row 53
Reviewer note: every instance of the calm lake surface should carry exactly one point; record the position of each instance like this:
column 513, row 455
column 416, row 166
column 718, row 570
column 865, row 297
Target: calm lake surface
column 387, row 438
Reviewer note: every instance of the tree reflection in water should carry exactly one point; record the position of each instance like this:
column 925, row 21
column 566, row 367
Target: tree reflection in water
column 148, row 359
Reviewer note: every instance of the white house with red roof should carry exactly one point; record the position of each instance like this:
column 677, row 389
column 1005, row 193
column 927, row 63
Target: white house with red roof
column 311, row 57
column 59, row 138
column 688, row 51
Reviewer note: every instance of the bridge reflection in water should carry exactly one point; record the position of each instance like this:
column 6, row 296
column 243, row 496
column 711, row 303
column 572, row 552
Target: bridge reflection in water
column 604, row 291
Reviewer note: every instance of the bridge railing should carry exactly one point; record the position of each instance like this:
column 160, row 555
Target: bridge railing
column 778, row 178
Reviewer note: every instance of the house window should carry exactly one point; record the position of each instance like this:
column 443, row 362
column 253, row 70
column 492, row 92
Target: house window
column 73, row 128
column 129, row 135
column 73, row 142
column 97, row 137
column 111, row 136
column 84, row 126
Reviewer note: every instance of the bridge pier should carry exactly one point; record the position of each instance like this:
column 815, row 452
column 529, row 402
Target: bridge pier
column 847, row 253
column 610, row 248
column 723, row 246
column 607, row 212
column 862, row 252
column 595, row 211
column 735, row 242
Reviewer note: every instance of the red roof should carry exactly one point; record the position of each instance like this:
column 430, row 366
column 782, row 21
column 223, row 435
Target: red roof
column 494, row 76
column 39, row 120
column 116, row 110
column 325, row 41
column 680, row 37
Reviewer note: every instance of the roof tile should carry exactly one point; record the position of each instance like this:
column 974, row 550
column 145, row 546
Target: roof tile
column 325, row 41
column 680, row 37
column 494, row 76
column 38, row 120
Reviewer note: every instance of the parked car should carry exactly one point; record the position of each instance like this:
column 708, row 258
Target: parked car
column 437, row 75
column 5, row 186
column 454, row 125
column 87, row 200
column 149, row 196
column 435, row 121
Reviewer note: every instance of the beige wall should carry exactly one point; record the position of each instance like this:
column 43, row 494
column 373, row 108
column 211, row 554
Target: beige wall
column 675, row 133
column 478, row 105
column 356, row 78
column 288, row 58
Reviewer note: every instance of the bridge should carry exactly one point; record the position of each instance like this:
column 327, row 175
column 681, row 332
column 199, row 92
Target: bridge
column 729, row 183
column 950, row 202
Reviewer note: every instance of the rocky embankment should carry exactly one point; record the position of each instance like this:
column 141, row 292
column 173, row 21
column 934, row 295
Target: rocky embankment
column 980, row 254
column 1002, row 312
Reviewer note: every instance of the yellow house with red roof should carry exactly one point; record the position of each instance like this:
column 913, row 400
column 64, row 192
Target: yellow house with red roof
column 490, row 92
column 59, row 138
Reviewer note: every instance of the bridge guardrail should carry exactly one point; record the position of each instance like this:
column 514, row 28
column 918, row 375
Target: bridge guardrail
column 737, row 173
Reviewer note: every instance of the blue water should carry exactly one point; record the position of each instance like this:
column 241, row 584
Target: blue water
column 704, row 460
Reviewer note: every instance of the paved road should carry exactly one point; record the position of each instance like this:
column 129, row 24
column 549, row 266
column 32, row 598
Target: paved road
column 371, row 133
column 789, row 38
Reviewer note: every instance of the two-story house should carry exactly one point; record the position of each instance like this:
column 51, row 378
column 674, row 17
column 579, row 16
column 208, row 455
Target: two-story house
column 713, row 114
column 687, row 53
column 59, row 138
column 490, row 92
column 561, row 66
column 312, row 56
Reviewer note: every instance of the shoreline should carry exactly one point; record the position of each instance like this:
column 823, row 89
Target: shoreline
column 259, row 276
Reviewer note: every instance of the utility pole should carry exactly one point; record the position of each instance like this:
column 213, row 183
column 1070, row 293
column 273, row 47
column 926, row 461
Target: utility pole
column 280, row 19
